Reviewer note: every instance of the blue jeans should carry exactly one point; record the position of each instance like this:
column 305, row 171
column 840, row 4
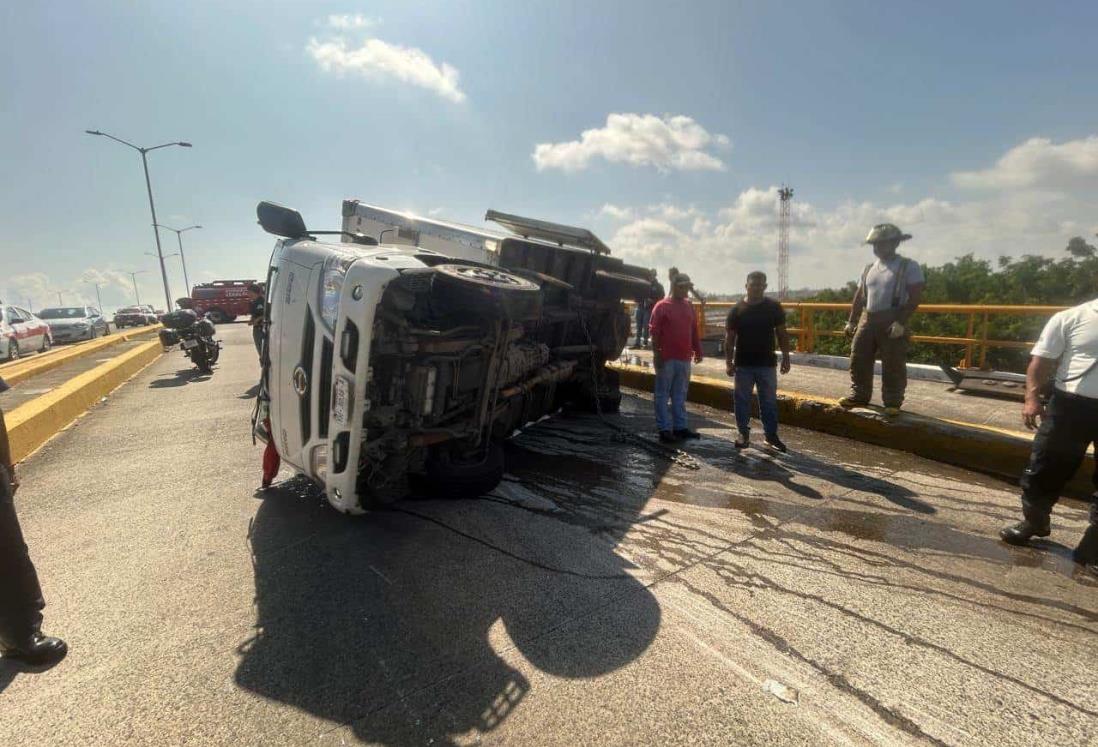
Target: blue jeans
column 764, row 379
column 672, row 381
column 641, row 319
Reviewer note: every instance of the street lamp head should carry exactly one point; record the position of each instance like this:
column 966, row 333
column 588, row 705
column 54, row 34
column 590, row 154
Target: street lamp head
column 185, row 145
column 93, row 132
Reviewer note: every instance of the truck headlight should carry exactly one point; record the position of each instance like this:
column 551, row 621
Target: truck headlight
column 318, row 461
column 331, row 287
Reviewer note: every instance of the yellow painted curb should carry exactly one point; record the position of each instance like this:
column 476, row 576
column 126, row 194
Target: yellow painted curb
column 32, row 424
column 24, row 368
column 984, row 449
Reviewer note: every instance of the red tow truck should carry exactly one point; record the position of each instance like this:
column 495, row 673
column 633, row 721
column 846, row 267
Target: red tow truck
column 223, row 300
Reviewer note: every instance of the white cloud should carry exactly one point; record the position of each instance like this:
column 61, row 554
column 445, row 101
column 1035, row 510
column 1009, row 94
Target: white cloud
column 1038, row 163
column 826, row 245
column 351, row 22
column 617, row 212
column 379, row 60
column 669, row 143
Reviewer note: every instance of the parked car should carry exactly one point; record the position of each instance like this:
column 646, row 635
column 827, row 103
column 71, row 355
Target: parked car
column 72, row 323
column 134, row 316
column 22, row 332
column 222, row 300
column 406, row 363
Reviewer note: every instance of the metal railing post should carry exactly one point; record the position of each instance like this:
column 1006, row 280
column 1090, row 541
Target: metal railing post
column 983, row 341
column 968, row 334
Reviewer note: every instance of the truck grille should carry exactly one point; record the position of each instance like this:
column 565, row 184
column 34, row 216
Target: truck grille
column 304, row 402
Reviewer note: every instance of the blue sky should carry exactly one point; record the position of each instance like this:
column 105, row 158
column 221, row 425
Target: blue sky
column 972, row 125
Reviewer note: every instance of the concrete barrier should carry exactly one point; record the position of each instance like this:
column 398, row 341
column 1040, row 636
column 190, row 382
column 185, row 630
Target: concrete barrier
column 32, row 424
column 24, row 368
column 993, row 451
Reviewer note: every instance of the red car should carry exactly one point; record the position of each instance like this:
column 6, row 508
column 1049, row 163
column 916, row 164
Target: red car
column 22, row 332
column 223, row 300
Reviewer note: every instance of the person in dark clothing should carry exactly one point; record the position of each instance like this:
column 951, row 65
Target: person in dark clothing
column 257, row 308
column 750, row 332
column 1067, row 356
column 21, row 599
column 642, row 316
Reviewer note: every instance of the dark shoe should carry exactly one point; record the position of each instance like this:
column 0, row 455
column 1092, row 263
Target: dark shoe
column 685, row 433
column 1087, row 551
column 38, row 649
column 667, row 437
column 1023, row 531
column 776, row 443
column 743, row 440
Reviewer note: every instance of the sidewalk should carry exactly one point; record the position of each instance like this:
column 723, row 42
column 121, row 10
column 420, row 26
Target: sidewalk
column 929, row 398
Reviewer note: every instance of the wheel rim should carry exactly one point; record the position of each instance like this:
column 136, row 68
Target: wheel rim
column 13, row 350
column 489, row 275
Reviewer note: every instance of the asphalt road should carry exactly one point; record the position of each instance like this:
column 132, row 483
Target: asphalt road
column 838, row 594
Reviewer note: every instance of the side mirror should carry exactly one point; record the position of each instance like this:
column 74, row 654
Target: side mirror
column 281, row 220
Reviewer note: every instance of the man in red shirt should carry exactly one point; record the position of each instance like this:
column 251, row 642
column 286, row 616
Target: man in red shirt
column 675, row 343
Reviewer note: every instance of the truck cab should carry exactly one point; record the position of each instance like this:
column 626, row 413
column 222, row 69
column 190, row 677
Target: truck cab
column 393, row 367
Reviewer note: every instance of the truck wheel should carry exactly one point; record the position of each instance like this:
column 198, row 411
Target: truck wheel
column 455, row 475
column 217, row 316
column 488, row 290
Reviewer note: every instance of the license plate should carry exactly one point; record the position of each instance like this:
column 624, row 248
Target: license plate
column 341, row 401
column 190, row 344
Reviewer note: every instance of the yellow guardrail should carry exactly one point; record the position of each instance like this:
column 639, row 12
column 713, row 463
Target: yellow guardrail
column 976, row 340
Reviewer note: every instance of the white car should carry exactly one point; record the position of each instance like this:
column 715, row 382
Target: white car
column 22, row 332
column 394, row 363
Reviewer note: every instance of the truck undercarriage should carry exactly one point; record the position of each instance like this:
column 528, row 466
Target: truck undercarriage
column 461, row 354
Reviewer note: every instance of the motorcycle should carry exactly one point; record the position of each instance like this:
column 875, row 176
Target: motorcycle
column 195, row 337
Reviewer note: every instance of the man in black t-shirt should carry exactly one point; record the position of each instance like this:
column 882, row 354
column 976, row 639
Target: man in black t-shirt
column 751, row 329
column 257, row 310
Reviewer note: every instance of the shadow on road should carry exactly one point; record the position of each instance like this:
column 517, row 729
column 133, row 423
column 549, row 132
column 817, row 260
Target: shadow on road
column 182, row 377
column 424, row 622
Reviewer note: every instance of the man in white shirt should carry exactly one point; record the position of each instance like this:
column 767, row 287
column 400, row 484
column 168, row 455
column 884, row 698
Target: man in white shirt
column 887, row 296
column 1067, row 353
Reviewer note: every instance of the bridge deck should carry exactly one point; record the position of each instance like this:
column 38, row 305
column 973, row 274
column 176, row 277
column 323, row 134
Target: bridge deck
column 601, row 595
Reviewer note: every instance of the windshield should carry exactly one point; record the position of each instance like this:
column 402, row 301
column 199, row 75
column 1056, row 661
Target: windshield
column 131, row 310
column 69, row 312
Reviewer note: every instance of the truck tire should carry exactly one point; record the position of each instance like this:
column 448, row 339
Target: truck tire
column 488, row 291
column 217, row 316
column 458, row 476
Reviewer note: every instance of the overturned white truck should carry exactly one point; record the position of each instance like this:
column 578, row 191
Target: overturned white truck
column 410, row 349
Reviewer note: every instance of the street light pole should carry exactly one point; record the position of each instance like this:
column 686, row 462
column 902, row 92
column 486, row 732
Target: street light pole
column 156, row 232
column 60, row 301
column 152, row 206
column 97, row 297
column 182, row 257
column 133, row 277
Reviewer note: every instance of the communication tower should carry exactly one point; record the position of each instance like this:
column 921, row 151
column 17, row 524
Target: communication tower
column 785, row 196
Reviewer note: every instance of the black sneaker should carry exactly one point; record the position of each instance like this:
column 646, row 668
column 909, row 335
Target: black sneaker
column 1087, row 551
column 776, row 443
column 743, row 440
column 685, row 433
column 667, row 437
